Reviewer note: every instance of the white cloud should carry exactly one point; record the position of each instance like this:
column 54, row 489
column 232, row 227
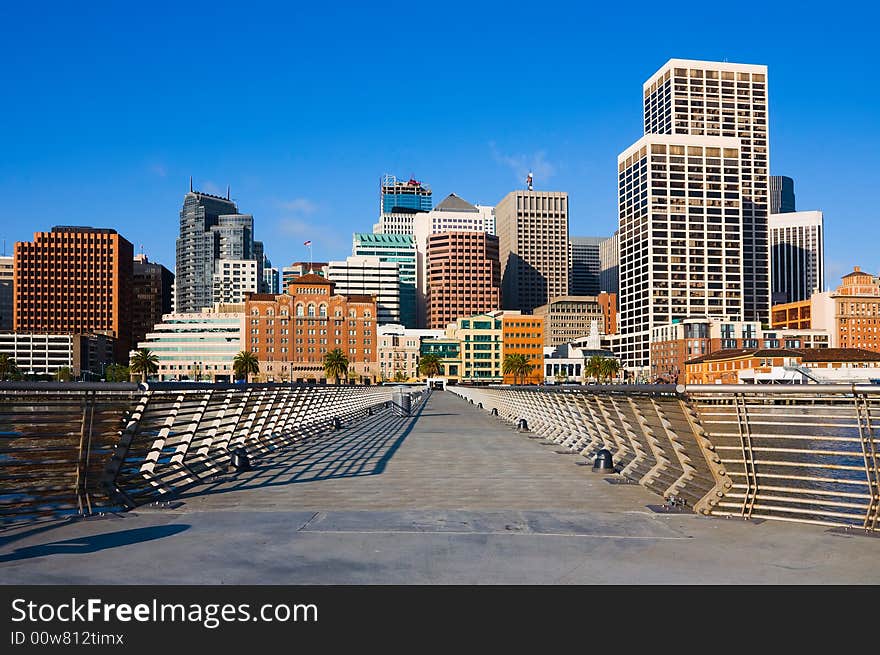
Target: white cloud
column 520, row 164
column 298, row 206
column 159, row 169
column 210, row 187
column 293, row 227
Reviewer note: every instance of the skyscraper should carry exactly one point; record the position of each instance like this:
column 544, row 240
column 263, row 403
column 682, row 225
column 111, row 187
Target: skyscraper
column 781, row 195
column 464, row 276
column 532, row 231
column 397, row 195
column 211, row 229
column 609, row 264
column 680, row 256
column 368, row 276
column 797, row 255
column 584, row 266
column 714, row 99
column 399, row 249
column 7, row 275
column 75, row 280
column 151, row 292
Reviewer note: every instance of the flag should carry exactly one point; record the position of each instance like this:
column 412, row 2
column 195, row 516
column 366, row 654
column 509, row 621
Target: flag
column 529, row 180
column 307, row 243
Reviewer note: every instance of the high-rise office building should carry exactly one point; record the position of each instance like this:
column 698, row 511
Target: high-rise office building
column 584, row 266
column 464, row 276
column 298, row 269
column 715, row 99
column 532, row 231
column 75, row 280
column 781, row 195
column 7, row 275
column 271, row 280
column 211, row 230
column 397, row 195
column 797, row 256
column 233, row 279
column 369, row 276
column 151, row 293
column 400, row 249
column 609, row 264
column 680, row 255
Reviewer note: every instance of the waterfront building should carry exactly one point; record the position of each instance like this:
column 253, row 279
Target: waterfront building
column 571, row 317
column 481, row 347
column 400, row 350
column 86, row 355
column 198, row 346
column 448, row 349
column 152, row 285
column 523, row 335
column 75, row 280
column 290, row 333
column 463, row 276
column 782, row 199
column 797, row 256
column 532, row 229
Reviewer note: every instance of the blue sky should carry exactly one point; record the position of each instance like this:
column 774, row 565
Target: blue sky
column 109, row 107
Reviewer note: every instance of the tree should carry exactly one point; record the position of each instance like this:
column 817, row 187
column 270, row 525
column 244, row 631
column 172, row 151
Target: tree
column 336, row 365
column 609, row 368
column 561, row 377
column 117, row 373
column 8, row 367
column 518, row 366
column 430, row 365
column 244, row 365
column 144, row 362
column 63, row 374
column 593, row 368
column 399, row 376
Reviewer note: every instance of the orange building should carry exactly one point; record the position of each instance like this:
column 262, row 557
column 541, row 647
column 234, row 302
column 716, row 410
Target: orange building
column 724, row 366
column 857, row 311
column 75, row 280
column 608, row 303
column 524, row 335
column 290, row 333
column 794, row 315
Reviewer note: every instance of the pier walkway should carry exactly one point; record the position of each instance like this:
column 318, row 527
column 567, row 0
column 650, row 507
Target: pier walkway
column 450, row 495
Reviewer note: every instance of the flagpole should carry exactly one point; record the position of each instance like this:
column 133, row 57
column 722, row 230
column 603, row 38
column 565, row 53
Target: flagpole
column 311, row 268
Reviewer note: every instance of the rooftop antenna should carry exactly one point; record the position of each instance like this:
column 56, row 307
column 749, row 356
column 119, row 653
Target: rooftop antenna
column 227, row 192
column 190, row 183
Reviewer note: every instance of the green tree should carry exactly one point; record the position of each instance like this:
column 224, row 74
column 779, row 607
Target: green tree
column 561, row 377
column 244, row 365
column 63, row 374
column 609, row 368
column 117, row 373
column 144, row 362
column 430, row 365
column 518, row 366
column 8, row 367
column 336, row 365
column 399, row 376
column 593, row 367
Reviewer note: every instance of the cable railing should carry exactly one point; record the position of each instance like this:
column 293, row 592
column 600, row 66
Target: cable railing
column 800, row 453
column 69, row 449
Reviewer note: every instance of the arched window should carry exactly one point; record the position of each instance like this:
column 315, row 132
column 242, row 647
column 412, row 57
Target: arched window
column 284, row 311
column 311, row 309
column 300, row 309
column 352, row 313
column 255, row 311
column 270, row 312
column 322, row 311
column 367, row 313
column 338, row 313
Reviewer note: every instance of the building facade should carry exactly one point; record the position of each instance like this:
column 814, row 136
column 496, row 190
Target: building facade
column 86, row 355
column 75, row 280
column 572, row 317
column 152, row 284
column 448, row 349
column 463, row 274
column 782, row 199
column 298, row 269
column 7, row 295
column 234, row 278
column 481, row 348
column 797, row 256
column 585, row 266
column 397, row 194
column 523, row 335
column 609, row 264
column 400, row 351
column 399, row 249
column 857, row 311
column 290, row 333
column 198, row 346
column 706, row 100
column 681, row 250
column 532, row 231
column 369, row 276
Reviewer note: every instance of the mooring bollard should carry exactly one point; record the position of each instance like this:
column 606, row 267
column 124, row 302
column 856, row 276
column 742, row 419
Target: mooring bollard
column 603, row 462
column 523, row 425
column 240, row 459
column 337, row 424
column 480, row 405
column 494, row 411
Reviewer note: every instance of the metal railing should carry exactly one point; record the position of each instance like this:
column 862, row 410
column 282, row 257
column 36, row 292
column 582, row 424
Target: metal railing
column 78, row 449
column 802, row 453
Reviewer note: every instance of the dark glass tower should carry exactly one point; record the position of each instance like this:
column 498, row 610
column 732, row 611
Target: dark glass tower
column 781, row 195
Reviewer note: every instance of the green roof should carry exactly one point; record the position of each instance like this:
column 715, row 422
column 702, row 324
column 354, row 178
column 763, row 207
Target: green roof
column 383, row 239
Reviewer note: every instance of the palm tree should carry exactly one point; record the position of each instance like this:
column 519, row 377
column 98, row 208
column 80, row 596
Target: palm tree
column 244, row 364
column 336, row 365
column 399, row 376
column 593, row 367
column 144, row 362
column 430, row 365
column 8, row 367
column 518, row 366
column 63, row 374
column 609, row 367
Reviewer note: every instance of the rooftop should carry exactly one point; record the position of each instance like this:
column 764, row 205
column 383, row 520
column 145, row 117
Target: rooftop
column 453, row 203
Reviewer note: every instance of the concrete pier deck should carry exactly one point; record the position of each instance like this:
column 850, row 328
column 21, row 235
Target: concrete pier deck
column 448, row 496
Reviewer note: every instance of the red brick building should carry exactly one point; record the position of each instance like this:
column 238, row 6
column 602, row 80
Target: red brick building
column 75, row 280
column 290, row 333
column 463, row 275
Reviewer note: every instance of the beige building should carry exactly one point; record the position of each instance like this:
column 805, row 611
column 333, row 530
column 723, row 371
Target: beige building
column 705, row 100
column 532, row 228
column 571, row 317
column 399, row 351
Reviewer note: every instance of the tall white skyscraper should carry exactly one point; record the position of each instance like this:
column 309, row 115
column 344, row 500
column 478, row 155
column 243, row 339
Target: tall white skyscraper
column 712, row 99
column 681, row 246
column 797, row 255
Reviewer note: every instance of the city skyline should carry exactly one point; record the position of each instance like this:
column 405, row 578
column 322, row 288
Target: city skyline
column 285, row 159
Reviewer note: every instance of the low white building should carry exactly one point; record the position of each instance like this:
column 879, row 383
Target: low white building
column 198, row 346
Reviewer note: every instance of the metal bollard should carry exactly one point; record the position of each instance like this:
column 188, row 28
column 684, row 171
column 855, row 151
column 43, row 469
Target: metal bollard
column 240, row 459
column 337, row 424
column 369, row 411
column 523, row 425
column 480, row 405
column 603, row 462
column 494, row 411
